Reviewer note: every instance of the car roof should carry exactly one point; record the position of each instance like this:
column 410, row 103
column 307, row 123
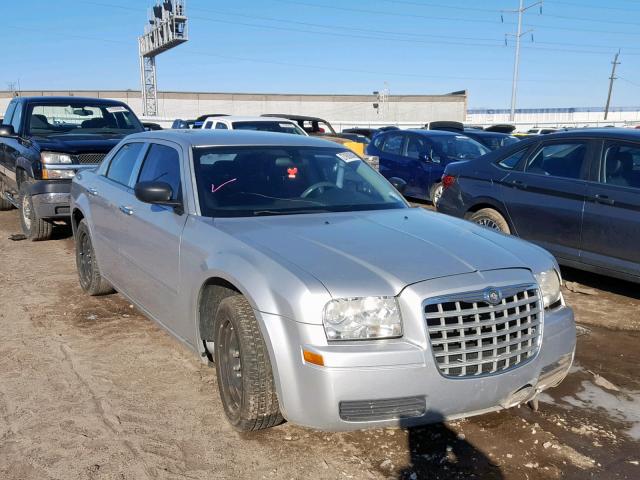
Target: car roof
column 428, row 133
column 240, row 118
column 295, row 117
column 483, row 133
column 46, row 99
column 619, row 133
column 200, row 138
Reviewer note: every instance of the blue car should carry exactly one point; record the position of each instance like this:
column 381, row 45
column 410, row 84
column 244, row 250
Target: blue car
column 576, row 193
column 419, row 157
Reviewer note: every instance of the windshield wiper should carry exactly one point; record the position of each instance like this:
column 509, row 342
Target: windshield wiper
column 264, row 213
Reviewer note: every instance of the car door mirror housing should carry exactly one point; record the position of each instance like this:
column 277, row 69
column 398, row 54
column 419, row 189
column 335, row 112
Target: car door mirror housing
column 398, row 183
column 7, row 131
column 157, row 193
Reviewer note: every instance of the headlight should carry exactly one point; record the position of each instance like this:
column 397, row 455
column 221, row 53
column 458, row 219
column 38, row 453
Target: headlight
column 365, row 318
column 53, row 174
column 549, row 282
column 53, row 158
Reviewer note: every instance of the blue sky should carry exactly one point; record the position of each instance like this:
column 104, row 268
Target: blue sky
column 330, row 46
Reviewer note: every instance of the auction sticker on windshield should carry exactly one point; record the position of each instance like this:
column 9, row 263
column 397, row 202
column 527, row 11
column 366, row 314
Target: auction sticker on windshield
column 348, row 156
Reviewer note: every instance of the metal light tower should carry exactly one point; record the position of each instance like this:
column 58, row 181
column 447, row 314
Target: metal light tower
column 167, row 28
column 516, row 66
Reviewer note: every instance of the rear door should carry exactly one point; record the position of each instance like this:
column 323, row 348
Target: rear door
column 545, row 201
column 151, row 242
column 418, row 171
column 392, row 161
column 611, row 226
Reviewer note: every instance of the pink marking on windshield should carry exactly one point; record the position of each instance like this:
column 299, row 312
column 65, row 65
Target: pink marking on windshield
column 214, row 189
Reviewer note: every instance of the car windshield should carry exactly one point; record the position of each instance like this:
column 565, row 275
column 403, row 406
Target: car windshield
column 457, row 147
column 279, row 127
column 81, row 119
column 253, row 181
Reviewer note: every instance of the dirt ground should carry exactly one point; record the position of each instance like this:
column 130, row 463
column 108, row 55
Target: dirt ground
column 90, row 389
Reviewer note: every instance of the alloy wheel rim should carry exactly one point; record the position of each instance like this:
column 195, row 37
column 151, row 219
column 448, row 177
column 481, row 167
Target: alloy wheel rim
column 488, row 223
column 231, row 367
column 26, row 212
column 85, row 259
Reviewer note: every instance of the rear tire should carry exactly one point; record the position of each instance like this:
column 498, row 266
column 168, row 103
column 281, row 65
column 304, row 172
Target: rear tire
column 88, row 272
column 4, row 203
column 436, row 193
column 34, row 227
column 491, row 219
column 243, row 368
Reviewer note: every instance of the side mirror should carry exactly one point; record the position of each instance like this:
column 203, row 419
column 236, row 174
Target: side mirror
column 157, row 193
column 398, row 183
column 7, row 131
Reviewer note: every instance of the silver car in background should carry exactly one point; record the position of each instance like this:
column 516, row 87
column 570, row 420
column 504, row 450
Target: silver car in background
column 319, row 294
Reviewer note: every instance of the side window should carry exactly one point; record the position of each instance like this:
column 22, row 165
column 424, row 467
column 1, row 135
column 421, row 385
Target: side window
column 162, row 164
column 565, row 160
column 513, row 160
column 621, row 165
column 208, row 125
column 393, row 144
column 122, row 163
column 7, row 116
column 415, row 146
column 221, row 126
column 377, row 141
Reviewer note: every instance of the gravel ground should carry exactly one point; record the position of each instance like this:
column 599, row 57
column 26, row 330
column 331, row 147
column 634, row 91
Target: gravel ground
column 91, row 389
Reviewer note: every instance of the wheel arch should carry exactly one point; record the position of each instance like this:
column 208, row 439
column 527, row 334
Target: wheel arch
column 481, row 203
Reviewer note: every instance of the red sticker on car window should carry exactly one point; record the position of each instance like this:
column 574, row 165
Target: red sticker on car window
column 292, row 172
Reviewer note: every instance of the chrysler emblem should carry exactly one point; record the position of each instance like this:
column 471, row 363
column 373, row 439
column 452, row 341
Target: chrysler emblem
column 492, row 295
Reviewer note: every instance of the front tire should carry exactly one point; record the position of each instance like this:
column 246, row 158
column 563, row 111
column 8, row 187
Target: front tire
column 243, row 368
column 491, row 219
column 34, row 227
column 88, row 272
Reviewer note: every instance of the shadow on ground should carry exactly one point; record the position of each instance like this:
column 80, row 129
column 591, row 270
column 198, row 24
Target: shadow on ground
column 601, row 282
column 437, row 452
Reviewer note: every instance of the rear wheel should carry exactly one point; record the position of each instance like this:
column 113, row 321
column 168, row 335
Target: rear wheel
column 243, row 368
column 436, row 193
column 4, row 203
column 88, row 272
column 491, row 219
column 34, row 227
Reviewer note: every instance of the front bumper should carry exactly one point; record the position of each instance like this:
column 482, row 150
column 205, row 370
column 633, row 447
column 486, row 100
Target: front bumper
column 51, row 198
column 396, row 382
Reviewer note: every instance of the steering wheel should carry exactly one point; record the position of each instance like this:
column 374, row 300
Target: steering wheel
column 316, row 186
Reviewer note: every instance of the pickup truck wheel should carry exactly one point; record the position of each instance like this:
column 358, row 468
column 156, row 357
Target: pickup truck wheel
column 491, row 219
column 90, row 279
column 243, row 368
column 4, row 203
column 436, row 193
column 34, row 227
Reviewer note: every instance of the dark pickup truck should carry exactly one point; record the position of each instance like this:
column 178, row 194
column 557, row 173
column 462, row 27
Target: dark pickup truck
column 44, row 141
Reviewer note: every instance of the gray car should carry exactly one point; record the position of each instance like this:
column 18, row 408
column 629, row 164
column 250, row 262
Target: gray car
column 319, row 294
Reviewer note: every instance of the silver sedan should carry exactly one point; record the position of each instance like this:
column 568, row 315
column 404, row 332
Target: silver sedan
column 318, row 293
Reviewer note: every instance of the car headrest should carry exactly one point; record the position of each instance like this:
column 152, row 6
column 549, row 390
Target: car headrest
column 39, row 121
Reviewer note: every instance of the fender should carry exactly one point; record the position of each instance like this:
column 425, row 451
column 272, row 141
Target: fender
column 28, row 166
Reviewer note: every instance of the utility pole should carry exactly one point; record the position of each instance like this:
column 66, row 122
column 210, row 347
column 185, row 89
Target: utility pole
column 613, row 77
column 516, row 66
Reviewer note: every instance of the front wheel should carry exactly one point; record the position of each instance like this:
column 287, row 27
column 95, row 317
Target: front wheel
column 34, row 227
column 243, row 368
column 88, row 272
column 491, row 219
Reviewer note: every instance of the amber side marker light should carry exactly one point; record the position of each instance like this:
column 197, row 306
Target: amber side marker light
column 314, row 358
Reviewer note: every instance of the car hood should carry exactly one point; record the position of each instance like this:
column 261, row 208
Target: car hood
column 75, row 144
column 381, row 252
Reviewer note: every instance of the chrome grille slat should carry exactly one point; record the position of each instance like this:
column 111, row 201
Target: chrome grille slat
column 470, row 337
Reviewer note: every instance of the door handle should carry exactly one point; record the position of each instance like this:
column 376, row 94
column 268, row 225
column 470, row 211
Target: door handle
column 126, row 210
column 92, row 191
column 604, row 199
column 518, row 184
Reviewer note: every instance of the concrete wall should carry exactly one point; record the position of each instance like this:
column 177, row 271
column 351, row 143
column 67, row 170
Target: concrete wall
column 344, row 110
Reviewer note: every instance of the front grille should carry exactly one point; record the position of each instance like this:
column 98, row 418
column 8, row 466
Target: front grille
column 388, row 409
column 471, row 337
column 89, row 158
